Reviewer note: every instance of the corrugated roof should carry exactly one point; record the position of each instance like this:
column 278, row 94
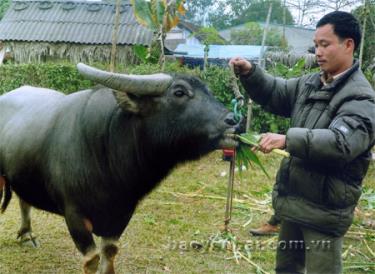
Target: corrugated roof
column 70, row 22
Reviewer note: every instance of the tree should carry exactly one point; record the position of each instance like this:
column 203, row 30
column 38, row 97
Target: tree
column 258, row 10
column 303, row 8
column 310, row 11
column 368, row 12
column 332, row 5
column 4, row 5
column 252, row 34
column 197, row 10
column 220, row 18
column 222, row 14
column 238, row 7
column 209, row 36
column 160, row 16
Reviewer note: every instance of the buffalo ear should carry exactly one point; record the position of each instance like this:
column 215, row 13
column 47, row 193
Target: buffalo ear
column 125, row 102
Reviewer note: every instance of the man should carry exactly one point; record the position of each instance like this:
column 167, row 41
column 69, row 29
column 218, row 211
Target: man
column 332, row 131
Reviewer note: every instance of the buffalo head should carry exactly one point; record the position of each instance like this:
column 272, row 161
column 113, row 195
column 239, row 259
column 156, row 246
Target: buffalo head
column 177, row 110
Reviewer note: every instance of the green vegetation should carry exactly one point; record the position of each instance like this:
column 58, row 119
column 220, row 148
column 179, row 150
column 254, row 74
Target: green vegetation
column 64, row 77
column 257, row 11
column 369, row 43
column 4, row 4
column 223, row 14
column 172, row 227
column 210, row 36
column 160, row 16
column 252, row 34
column 245, row 156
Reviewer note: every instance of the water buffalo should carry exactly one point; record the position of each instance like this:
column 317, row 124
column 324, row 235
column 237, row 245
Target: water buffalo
column 92, row 155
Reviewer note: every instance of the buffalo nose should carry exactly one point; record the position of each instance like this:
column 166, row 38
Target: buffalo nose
column 230, row 119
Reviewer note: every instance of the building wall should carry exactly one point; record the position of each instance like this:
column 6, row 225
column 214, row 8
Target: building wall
column 34, row 52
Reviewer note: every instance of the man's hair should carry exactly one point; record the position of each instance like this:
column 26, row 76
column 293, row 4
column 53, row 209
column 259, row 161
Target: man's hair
column 344, row 24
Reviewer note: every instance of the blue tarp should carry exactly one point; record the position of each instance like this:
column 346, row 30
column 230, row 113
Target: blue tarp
column 219, row 51
column 193, row 55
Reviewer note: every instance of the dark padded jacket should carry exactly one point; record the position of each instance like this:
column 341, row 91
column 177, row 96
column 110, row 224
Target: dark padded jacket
column 331, row 135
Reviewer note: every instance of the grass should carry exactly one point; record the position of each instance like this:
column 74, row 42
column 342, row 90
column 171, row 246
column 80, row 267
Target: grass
column 172, row 227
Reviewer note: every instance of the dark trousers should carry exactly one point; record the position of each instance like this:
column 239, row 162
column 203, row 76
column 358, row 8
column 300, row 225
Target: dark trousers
column 274, row 220
column 303, row 249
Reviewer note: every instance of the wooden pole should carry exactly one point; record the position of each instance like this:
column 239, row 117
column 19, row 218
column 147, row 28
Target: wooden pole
column 249, row 114
column 363, row 32
column 262, row 61
column 229, row 205
column 115, row 35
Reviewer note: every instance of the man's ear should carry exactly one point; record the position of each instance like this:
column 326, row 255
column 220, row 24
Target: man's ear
column 125, row 102
column 349, row 44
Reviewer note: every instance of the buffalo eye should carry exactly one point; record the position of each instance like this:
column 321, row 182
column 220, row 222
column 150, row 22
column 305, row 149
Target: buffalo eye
column 179, row 93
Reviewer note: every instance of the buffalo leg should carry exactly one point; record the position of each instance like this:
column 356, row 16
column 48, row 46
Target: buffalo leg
column 2, row 186
column 80, row 229
column 25, row 233
column 108, row 251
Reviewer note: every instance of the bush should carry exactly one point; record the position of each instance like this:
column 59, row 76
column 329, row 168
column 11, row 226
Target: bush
column 64, row 77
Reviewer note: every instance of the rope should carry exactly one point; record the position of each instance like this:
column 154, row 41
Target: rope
column 236, row 90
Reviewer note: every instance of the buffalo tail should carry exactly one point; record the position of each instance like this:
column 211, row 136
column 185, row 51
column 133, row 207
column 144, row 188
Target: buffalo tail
column 6, row 193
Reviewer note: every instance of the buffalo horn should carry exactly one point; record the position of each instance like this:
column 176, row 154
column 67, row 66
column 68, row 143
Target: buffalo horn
column 154, row 84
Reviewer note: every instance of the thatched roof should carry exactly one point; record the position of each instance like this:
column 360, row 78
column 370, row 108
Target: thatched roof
column 78, row 22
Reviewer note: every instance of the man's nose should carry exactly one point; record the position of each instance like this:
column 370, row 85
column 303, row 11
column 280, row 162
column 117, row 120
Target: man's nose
column 318, row 51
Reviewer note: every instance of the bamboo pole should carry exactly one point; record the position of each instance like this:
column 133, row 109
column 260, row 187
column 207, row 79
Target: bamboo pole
column 115, row 35
column 229, row 204
column 262, row 61
column 363, row 32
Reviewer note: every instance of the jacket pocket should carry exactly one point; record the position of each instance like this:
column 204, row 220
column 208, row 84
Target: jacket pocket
column 307, row 184
column 340, row 194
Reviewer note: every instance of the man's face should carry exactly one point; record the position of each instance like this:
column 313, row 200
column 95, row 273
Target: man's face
column 334, row 55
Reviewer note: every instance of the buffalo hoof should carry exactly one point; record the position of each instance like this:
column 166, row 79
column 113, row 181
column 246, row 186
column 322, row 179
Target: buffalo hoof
column 28, row 239
column 91, row 264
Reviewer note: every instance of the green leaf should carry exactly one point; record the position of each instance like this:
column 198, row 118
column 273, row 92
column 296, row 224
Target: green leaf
column 300, row 65
column 141, row 52
column 143, row 13
column 160, row 12
column 245, row 156
column 250, row 138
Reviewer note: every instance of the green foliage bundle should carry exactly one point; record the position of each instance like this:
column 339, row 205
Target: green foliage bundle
column 245, row 156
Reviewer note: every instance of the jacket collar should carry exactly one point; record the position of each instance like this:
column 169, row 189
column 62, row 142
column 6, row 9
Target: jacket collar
column 316, row 82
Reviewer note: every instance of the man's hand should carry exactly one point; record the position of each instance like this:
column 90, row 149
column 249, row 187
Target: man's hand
column 240, row 65
column 270, row 141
